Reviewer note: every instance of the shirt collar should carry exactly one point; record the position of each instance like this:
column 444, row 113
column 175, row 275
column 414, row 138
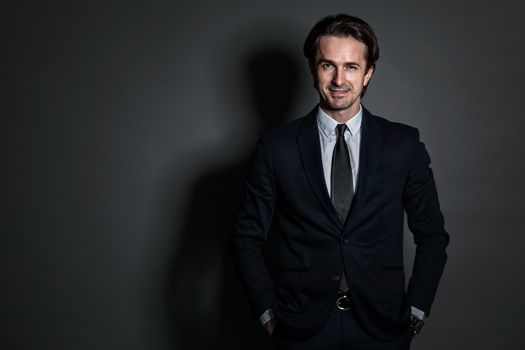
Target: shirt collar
column 327, row 124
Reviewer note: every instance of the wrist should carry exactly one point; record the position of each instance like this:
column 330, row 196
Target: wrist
column 416, row 324
column 266, row 316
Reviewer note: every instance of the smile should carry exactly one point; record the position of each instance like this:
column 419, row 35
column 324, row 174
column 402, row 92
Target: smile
column 338, row 92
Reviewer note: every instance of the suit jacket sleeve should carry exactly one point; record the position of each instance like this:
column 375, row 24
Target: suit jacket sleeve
column 250, row 230
column 426, row 223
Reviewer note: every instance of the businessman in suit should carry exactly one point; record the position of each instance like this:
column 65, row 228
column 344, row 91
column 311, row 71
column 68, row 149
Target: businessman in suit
column 338, row 182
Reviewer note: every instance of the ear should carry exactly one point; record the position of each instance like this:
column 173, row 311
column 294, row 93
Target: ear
column 368, row 75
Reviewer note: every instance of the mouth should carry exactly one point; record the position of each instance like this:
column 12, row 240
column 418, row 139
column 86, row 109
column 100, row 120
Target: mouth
column 338, row 92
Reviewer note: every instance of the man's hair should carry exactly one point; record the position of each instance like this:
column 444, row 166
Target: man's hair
column 342, row 25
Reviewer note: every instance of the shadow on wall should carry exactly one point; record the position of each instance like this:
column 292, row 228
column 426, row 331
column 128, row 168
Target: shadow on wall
column 206, row 303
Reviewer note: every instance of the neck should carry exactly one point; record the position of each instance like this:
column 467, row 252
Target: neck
column 341, row 115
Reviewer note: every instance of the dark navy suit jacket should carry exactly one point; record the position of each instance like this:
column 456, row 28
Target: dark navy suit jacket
column 286, row 183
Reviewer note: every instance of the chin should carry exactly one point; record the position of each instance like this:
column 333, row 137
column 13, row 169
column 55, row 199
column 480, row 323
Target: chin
column 339, row 106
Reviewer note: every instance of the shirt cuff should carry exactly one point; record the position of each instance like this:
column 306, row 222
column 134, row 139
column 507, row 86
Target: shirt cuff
column 266, row 316
column 417, row 313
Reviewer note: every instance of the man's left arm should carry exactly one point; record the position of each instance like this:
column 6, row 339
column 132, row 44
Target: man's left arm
column 426, row 223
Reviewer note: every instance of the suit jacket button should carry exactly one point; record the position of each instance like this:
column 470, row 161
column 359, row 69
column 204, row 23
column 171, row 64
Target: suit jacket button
column 336, row 277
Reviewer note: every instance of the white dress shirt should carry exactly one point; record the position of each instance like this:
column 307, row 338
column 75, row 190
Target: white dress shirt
column 328, row 137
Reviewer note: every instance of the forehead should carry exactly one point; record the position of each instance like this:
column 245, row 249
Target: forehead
column 341, row 48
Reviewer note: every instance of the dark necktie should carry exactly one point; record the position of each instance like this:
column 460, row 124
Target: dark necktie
column 342, row 184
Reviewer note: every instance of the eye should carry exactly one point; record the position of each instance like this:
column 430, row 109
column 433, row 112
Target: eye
column 326, row 66
column 351, row 67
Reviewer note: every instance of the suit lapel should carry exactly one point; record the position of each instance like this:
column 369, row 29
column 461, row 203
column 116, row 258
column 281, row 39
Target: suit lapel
column 310, row 149
column 369, row 153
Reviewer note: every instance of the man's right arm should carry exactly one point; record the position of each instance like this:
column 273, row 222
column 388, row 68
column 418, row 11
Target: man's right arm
column 250, row 230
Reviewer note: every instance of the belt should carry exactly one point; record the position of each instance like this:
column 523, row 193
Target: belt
column 343, row 302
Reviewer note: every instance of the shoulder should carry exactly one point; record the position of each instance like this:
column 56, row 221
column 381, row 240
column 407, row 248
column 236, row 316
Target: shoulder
column 287, row 132
column 396, row 138
column 393, row 131
column 386, row 126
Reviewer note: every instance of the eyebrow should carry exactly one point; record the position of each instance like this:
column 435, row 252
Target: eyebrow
column 326, row 60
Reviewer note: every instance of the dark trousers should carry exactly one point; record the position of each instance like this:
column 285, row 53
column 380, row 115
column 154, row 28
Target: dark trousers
column 342, row 332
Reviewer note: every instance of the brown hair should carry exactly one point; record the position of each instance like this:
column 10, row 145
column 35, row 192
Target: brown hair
column 342, row 25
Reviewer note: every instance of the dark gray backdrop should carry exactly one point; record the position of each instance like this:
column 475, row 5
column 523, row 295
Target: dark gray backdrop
column 126, row 129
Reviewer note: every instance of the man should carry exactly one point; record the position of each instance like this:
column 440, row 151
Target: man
column 338, row 181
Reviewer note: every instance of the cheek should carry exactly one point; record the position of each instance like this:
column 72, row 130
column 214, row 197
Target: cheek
column 323, row 78
column 358, row 81
column 319, row 80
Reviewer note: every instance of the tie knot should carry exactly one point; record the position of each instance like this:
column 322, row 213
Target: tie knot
column 340, row 130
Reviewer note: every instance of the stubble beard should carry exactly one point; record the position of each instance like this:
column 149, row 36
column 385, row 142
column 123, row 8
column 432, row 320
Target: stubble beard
column 335, row 104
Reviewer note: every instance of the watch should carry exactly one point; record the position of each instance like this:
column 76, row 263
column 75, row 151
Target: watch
column 416, row 324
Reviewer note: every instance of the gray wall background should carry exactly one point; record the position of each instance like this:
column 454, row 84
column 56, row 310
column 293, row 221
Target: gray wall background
column 126, row 128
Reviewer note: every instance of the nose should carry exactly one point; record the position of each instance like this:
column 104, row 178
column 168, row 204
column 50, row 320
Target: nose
column 337, row 78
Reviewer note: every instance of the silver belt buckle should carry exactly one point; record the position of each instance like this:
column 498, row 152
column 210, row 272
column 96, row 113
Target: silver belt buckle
column 343, row 303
